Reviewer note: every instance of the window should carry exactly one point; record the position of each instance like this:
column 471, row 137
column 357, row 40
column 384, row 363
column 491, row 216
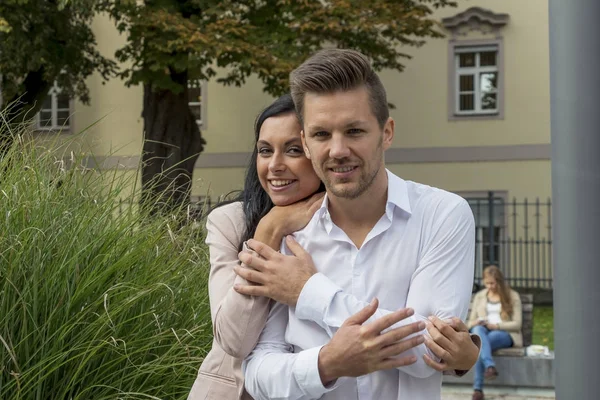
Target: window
column 197, row 101
column 490, row 224
column 476, row 66
column 55, row 111
column 476, row 80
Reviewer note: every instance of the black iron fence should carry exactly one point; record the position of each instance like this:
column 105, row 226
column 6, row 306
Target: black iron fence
column 517, row 237
column 514, row 235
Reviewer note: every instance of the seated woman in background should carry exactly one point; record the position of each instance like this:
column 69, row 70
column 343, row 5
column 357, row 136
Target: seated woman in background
column 496, row 316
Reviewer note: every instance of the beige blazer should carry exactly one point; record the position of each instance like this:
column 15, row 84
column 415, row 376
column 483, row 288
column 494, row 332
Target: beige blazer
column 512, row 326
column 237, row 320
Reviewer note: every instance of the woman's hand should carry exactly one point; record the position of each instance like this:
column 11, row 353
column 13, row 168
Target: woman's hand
column 451, row 342
column 285, row 220
column 492, row 327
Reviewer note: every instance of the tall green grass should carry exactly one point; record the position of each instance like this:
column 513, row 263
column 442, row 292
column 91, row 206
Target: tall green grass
column 97, row 301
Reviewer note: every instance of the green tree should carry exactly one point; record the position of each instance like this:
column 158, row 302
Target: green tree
column 43, row 41
column 172, row 41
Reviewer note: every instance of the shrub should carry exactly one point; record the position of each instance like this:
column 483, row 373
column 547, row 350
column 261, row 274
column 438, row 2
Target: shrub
column 97, row 300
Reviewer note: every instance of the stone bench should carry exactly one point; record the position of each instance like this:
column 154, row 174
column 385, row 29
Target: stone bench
column 517, row 372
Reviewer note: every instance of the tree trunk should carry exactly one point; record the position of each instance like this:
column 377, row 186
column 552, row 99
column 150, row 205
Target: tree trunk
column 172, row 143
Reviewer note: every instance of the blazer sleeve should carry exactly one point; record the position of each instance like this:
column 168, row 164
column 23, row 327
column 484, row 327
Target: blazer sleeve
column 237, row 319
column 474, row 314
column 516, row 322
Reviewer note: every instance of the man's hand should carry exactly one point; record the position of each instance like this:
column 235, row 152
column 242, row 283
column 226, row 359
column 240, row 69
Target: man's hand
column 358, row 349
column 273, row 274
column 451, row 342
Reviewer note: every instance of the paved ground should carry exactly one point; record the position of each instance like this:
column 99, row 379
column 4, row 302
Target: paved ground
column 463, row 392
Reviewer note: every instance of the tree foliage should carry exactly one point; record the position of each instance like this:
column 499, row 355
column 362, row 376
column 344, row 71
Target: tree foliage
column 169, row 42
column 42, row 41
column 264, row 37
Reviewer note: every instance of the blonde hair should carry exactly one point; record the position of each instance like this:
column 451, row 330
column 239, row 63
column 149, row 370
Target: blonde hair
column 492, row 271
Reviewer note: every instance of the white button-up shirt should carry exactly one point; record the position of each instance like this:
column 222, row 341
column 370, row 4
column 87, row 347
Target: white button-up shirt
column 420, row 254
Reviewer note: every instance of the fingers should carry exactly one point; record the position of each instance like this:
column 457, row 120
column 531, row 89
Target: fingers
column 437, row 349
column 296, row 249
column 458, row 325
column 401, row 346
column 397, row 362
column 388, row 320
column 438, row 366
column 397, row 334
column 251, row 290
column 439, row 337
column 250, row 275
column 262, row 249
column 252, row 261
column 443, row 327
column 363, row 315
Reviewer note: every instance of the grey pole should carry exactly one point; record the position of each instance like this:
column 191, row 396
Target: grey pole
column 575, row 121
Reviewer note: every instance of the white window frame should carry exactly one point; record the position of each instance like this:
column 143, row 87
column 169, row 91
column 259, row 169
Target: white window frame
column 476, row 72
column 455, row 48
column 202, row 123
column 54, row 92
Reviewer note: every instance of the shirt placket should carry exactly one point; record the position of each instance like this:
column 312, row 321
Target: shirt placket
column 363, row 383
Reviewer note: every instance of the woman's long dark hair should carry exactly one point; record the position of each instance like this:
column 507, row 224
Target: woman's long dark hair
column 255, row 200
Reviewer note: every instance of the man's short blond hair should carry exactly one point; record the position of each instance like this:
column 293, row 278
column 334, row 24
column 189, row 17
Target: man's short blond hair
column 334, row 70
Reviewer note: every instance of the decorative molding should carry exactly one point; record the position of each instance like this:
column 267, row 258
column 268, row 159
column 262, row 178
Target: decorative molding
column 475, row 19
column 483, row 194
column 523, row 152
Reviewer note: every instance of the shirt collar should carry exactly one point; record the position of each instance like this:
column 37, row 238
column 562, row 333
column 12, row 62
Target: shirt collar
column 323, row 214
column 397, row 197
column 397, row 194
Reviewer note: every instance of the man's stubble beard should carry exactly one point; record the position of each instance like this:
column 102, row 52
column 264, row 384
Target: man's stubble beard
column 364, row 182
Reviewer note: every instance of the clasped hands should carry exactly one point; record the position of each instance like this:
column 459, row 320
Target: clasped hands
column 357, row 348
column 485, row 323
column 272, row 274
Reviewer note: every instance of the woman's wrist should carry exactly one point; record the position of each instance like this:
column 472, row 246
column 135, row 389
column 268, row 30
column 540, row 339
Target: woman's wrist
column 269, row 233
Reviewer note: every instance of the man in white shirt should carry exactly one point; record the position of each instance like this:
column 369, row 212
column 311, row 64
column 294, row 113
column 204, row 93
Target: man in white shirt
column 375, row 236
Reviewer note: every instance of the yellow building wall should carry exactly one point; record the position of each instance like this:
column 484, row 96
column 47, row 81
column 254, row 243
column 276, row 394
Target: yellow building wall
column 231, row 114
column 114, row 125
column 520, row 179
column 420, row 93
column 214, row 182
